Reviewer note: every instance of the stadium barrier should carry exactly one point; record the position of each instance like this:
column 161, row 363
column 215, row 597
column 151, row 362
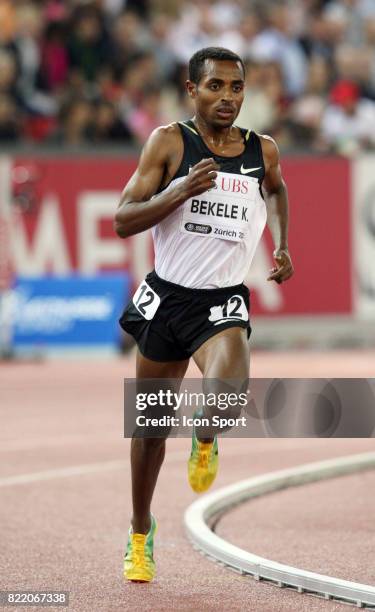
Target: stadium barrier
column 58, row 213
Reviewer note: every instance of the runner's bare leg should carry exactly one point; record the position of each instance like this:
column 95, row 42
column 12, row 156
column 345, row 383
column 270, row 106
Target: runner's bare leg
column 225, row 356
column 147, row 454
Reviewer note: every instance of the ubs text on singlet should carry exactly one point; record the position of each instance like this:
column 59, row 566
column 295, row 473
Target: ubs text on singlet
column 224, row 211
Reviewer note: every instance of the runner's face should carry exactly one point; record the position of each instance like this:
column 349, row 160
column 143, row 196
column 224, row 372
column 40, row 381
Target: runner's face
column 219, row 94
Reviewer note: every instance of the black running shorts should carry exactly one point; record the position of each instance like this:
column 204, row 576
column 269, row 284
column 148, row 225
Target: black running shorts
column 170, row 322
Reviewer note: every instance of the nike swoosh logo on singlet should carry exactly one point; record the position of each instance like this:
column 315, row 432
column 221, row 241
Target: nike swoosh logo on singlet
column 247, row 170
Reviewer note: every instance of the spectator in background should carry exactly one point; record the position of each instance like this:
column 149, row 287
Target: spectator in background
column 113, row 7
column 29, row 27
column 10, row 126
column 305, row 114
column 315, row 40
column 8, row 77
column 55, row 11
column 354, row 64
column 88, row 45
column 139, row 6
column 108, row 88
column 147, row 116
column 366, row 9
column 194, row 30
column 227, row 14
column 276, row 44
column 76, row 123
column 172, row 8
column 249, row 26
column 344, row 21
column 7, row 22
column 54, row 66
column 275, row 89
column 370, row 40
column 226, row 18
column 160, row 26
column 107, row 127
column 348, row 123
column 141, row 72
column 338, row 19
column 106, row 52
column 174, row 103
column 129, row 38
column 257, row 112
column 27, row 41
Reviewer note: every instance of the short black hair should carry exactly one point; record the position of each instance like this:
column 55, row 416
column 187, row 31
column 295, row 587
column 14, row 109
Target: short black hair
column 196, row 62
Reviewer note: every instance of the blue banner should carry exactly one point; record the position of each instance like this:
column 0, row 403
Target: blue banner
column 74, row 311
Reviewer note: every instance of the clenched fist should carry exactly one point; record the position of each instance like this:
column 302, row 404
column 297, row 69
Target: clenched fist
column 200, row 178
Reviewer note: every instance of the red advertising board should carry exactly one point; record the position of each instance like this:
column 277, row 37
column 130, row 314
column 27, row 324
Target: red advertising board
column 66, row 223
column 319, row 238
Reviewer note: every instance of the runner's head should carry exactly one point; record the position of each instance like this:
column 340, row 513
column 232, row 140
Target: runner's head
column 216, row 84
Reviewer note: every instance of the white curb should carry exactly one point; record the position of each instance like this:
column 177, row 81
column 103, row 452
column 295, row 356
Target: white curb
column 200, row 512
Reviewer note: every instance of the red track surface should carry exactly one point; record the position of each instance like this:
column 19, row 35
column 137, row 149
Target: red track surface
column 67, row 531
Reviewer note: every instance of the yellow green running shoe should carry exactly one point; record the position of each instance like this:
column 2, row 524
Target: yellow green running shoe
column 139, row 564
column 203, row 463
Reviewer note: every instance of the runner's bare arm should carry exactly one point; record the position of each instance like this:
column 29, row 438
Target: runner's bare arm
column 138, row 210
column 277, row 210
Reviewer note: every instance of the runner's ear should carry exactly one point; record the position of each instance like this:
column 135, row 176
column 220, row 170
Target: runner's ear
column 191, row 89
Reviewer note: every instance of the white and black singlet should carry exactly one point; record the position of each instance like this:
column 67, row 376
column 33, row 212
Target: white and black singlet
column 210, row 240
column 202, row 253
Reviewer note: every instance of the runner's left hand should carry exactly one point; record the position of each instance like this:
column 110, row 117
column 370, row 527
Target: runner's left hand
column 284, row 267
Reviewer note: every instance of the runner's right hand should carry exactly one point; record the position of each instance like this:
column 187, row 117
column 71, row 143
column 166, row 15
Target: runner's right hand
column 200, row 178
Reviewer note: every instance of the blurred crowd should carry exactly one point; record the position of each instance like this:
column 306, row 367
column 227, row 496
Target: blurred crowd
column 81, row 72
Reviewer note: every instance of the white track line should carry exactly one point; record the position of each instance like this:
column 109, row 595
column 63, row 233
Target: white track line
column 106, row 466
column 204, row 509
column 89, row 468
column 75, row 470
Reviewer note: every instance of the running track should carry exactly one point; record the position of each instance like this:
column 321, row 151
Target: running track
column 64, row 485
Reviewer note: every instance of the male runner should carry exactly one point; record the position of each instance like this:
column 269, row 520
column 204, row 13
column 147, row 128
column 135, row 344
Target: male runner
column 199, row 187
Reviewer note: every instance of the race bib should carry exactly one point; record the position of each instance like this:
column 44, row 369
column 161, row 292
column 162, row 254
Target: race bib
column 146, row 301
column 234, row 309
column 224, row 211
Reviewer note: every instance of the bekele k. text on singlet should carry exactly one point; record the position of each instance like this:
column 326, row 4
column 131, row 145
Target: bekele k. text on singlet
column 210, row 240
